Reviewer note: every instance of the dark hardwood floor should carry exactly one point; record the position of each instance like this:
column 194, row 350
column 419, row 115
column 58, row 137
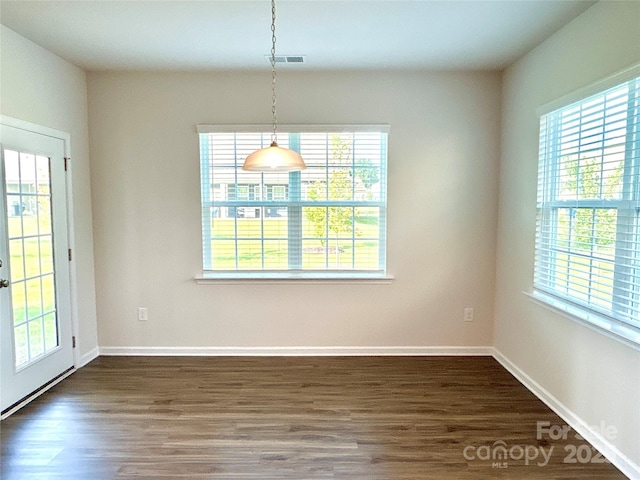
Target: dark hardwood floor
column 369, row 418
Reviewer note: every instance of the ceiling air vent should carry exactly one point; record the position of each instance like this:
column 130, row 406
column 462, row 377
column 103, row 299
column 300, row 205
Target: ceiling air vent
column 286, row 58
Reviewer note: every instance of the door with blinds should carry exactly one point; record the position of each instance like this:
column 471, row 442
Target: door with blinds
column 35, row 322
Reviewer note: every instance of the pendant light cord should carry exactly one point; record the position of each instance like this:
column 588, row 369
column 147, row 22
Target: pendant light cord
column 273, row 158
column 274, row 135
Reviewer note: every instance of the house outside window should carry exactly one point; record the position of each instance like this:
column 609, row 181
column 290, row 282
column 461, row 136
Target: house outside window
column 329, row 219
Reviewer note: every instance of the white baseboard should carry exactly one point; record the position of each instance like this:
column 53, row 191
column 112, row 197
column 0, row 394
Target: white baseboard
column 87, row 357
column 296, row 351
column 595, row 438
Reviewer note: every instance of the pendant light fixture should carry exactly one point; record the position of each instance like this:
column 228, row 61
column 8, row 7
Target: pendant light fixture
column 274, row 158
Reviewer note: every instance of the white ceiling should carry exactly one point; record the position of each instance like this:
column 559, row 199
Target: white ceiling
column 332, row 34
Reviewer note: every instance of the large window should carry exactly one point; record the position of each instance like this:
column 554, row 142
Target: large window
column 328, row 220
column 588, row 228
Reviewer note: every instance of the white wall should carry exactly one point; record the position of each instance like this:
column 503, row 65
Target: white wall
column 443, row 171
column 594, row 377
column 40, row 87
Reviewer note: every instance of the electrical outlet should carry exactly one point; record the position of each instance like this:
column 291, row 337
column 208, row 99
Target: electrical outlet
column 143, row 314
column 468, row 314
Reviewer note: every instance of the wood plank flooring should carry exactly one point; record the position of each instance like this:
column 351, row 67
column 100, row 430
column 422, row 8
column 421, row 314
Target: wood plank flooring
column 365, row 418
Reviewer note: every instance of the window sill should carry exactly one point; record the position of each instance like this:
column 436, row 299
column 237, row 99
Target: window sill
column 285, row 278
column 624, row 334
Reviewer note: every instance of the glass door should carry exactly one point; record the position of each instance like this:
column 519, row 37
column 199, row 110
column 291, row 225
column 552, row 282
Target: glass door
column 35, row 326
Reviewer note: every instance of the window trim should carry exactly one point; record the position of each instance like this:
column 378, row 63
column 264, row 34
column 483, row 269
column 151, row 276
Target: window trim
column 588, row 318
column 603, row 324
column 301, row 128
column 208, row 277
column 291, row 278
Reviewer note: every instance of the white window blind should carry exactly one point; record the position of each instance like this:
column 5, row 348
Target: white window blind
column 330, row 217
column 588, row 224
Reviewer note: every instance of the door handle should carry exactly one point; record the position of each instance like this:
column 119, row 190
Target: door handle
column 4, row 283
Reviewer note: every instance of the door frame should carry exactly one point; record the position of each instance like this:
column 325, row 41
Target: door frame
column 73, row 284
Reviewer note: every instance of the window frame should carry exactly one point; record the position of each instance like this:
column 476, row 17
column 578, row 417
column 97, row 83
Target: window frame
column 627, row 208
column 293, row 202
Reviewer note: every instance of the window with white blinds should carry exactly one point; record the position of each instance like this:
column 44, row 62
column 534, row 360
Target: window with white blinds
column 329, row 219
column 588, row 224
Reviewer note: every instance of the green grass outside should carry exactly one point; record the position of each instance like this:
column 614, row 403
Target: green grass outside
column 582, row 281
column 33, row 299
column 336, row 253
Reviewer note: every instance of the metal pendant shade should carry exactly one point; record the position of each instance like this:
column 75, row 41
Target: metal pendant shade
column 274, row 158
